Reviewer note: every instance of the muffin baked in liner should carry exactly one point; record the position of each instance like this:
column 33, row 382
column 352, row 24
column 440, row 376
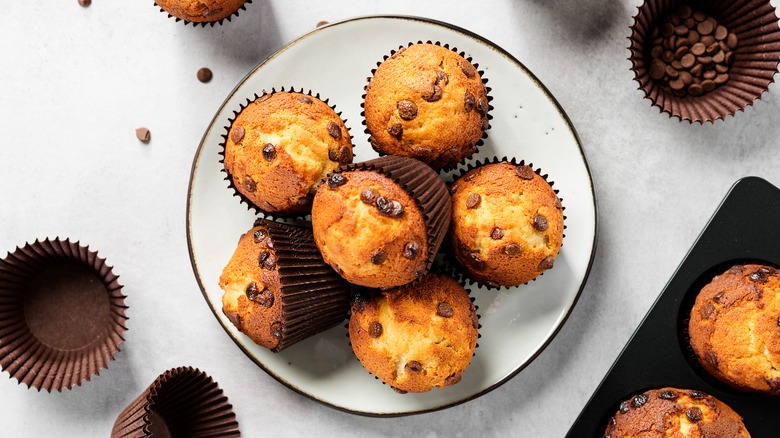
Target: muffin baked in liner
column 206, row 19
column 181, row 402
column 229, row 178
column 62, row 314
column 755, row 58
column 435, row 164
column 449, row 256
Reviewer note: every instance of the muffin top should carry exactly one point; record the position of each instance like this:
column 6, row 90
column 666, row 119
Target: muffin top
column 507, row 224
column 369, row 229
column 735, row 328
column 671, row 412
column 281, row 146
column 200, row 11
column 426, row 102
column 416, row 337
column 251, row 286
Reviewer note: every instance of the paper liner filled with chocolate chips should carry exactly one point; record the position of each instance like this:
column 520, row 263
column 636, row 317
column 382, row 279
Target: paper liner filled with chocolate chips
column 181, row 402
column 701, row 61
column 201, row 13
column 279, row 146
column 62, row 314
column 278, row 290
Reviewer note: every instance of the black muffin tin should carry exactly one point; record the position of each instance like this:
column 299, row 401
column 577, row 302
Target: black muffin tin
column 744, row 229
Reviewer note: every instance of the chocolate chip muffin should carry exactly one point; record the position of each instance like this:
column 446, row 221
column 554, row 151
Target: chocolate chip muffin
column 277, row 289
column 427, row 102
column 200, row 11
column 280, row 147
column 416, row 337
column 507, row 224
column 380, row 223
column 671, row 412
column 735, row 328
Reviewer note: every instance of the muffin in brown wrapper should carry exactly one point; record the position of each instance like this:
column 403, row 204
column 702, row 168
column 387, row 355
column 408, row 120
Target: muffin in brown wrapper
column 278, row 290
column 62, row 314
column 754, row 64
column 181, row 402
column 201, row 13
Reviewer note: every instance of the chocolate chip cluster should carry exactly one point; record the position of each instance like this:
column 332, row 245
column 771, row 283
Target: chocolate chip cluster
column 691, row 52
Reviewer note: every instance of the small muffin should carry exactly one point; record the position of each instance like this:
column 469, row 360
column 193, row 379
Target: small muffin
column 426, row 102
column 277, row 289
column 671, row 412
column 279, row 149
column 200, row 11
column 372, row 229
column 735, row 328
column 507, row 224
column 416, row 337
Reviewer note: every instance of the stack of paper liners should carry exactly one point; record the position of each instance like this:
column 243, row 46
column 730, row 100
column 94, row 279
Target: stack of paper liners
column 181, row 402
column 62, row 314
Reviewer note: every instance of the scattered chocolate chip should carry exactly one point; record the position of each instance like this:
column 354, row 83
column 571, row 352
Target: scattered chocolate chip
column 411, row 250
column 205, row 75
column 143, row 134
column 512, row 249
column 379, row 258
column 696, row 394
column 524, row 172
column 473, row 201
column 707, row 310
column 276, row 329
column 237, row 134
column 407, row 109
column 444, row 310
column 305, row 99
column 638, row 401
column 467, row 68
column 249, row 183
column 399, row 390
column 469, row 101
column 251, row 291
column 693, row 414
column 711, row 359
column 497, row 234
column 259, row 235
column 547, row 263
column 667, row 395
column 452, row 379
column 624, row 407
column 321, row 23
column 269, row 152
column 375, row 330
column 413, row 366
column 334, row 130
column 85, row 3
column 336, row 180
column 540, row 222
column 396, row 131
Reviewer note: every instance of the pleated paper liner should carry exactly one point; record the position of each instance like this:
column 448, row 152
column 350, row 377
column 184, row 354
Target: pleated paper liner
column 450, row 261
column 229, row 178
column 185, row 11
column 181, row 402
column 436, row 164
column 62, row 314
column 755, row 58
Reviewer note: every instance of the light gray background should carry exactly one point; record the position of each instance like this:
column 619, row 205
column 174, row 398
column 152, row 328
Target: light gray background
column 75, row 83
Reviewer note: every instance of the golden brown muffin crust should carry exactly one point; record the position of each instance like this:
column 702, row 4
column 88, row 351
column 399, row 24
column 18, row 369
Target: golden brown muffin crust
column 281, row 146
column 675, row 413
column 416, row 337
column 200, row 11
column 735, row 328
column 426, row 102
column 507, row 224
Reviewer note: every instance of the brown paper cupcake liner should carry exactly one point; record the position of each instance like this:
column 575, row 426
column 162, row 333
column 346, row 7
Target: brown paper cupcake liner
column 755, row 59
column 450, row 262
column 62, row 314
column 424, row 186
column 204, row 23
column 181, row 402
column 229, row 178
column 481, row 75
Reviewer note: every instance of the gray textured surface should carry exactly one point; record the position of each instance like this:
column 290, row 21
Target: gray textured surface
column 76, row 83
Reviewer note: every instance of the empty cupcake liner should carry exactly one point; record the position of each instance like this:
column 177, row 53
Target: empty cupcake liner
column 229, row 178
column 181, row 402
column 435, row 164
column 755, row 58
column 62, row 314
column 204, row 23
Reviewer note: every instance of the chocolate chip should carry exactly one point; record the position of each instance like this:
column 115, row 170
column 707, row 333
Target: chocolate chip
column 512, row 249
column 778, row 320
column 334, row 130
column 467, row 68
column 269, row 243
column 399, row 390
column 407, row 109
column 345, row 155
column 85, row 3
column 368, row 196
column 473, row 201
column 375, row 330
column 397, row 210
column 303, row 200
column 413, row 366
column 774, row 384
column 265, row 299
column 497, row 234
column 251, row 291
column 321, row 23
column 696, row 394
column 336, row 180
column 453, row 188
column 475, row 261
column 333, row 155
column 266, row 260
column 260, row 235
column 143, row 134
column 624, row 407
column 411, row 250
column 389, row 208
column 547, row 263
column 249, row 183
column 638, row 401
column 444, row 310
column 396, row 131
column 269, row 152
column 237, row 134
column 469, row 101
column 305, row 99
column 540, row 222
column 558, row 204
column 442, row 78
column 483, row 107
column 524, row 172
column 204, row 75
column 693, row 414
column 711, row 359
column 452, row 379
column 759, row 276
column 433, row 95
column 667, row 395
column 707, row 310
column 379, row 257
column 474, row 317
column 276, row 329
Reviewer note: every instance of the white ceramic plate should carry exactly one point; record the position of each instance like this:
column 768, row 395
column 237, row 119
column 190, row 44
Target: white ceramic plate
column 527, row 124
